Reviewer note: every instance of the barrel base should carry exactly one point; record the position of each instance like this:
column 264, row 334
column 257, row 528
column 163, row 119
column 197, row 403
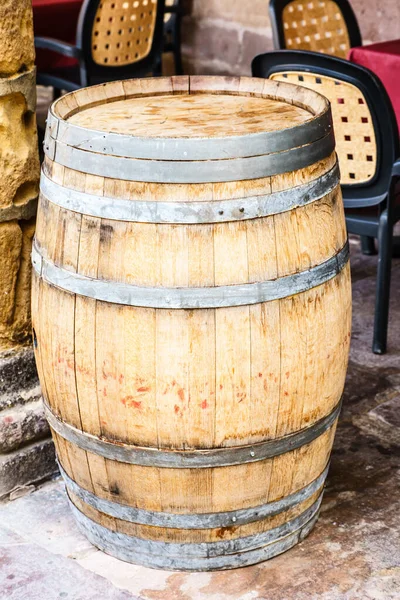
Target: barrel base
column 215, row 556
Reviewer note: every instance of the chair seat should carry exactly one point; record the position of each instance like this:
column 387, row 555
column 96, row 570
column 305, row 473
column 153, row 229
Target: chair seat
column 359, row 218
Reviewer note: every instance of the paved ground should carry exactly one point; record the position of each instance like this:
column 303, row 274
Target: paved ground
column 353, row 553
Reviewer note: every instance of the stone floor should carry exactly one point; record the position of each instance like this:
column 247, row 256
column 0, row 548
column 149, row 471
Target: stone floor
column 353, row 553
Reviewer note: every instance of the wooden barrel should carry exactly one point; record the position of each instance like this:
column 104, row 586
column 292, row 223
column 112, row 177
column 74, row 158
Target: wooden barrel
column 191, row 309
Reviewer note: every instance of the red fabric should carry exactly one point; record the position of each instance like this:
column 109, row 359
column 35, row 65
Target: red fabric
column 57, row 19
column 383, row 59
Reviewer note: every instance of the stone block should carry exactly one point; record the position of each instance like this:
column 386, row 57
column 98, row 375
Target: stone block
column 15, row 282
column 253, row 44
column 382, row 422
column 27, row 466
column 19, row 382
column 21, row 425
column 17, row 53
column 388, row 412
column 254, row 15
column 10, row 251
column 377, row 21
column 205, row 40
column 196, row 66
column 19, row 183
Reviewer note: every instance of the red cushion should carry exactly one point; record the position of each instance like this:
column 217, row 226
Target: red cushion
column 57, row 19
column 384, row 60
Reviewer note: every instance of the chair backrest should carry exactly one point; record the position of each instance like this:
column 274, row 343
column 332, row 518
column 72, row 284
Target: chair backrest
column 120, row 38
column 169, row 4
column 327, row 26
column 170, row 21
column 366, row 132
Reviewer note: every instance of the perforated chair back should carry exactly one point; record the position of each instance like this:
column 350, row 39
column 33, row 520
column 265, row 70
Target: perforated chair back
column 116, row 35
column 367, row 139
column 354, row 130
column 326, row 26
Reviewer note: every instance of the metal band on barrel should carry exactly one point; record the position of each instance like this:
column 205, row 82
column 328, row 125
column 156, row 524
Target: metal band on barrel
column 194, row 521
column 239, row 552
column 190, row 459
column 184, row 171
column 189, row 298
column 239, row 209
column 193, row 148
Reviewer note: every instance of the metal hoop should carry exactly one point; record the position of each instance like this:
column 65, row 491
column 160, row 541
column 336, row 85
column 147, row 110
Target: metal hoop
column 190, row 459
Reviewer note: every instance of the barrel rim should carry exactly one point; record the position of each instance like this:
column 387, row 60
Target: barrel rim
column 196, row 147
column 192, row 171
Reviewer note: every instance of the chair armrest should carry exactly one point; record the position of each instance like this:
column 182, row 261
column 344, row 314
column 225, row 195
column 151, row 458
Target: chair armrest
column 396, row 169
column 58, row 46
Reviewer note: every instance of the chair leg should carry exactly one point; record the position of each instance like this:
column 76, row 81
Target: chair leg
column 385, row 239
column 178, row 60
column 368, row 245
column 178, row 46
column 157, row 71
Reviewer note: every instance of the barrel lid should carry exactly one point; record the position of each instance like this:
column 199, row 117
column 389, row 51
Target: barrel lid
column 191, row 116
column 191, row 120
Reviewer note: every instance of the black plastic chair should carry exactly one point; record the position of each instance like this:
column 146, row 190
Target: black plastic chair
column 327, row 26
column 114, row 40
column 367, row 144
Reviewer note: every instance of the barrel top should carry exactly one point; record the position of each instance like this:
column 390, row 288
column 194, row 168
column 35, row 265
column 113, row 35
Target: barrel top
column 218, row 128
column 191, row 115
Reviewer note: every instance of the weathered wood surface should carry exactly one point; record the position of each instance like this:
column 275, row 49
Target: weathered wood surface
column 196, row 379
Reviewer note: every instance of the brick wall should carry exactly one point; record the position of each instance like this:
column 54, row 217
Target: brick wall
column 222, row 36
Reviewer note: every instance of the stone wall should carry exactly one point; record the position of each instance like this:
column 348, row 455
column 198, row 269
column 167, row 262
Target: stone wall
column 26, row 451
column 19, row 163
column 222, row 36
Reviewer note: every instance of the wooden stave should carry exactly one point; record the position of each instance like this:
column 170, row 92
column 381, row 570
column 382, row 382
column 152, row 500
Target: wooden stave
column 177, row 566
column 66, row 417
column 176, row 563
column 329, row 172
